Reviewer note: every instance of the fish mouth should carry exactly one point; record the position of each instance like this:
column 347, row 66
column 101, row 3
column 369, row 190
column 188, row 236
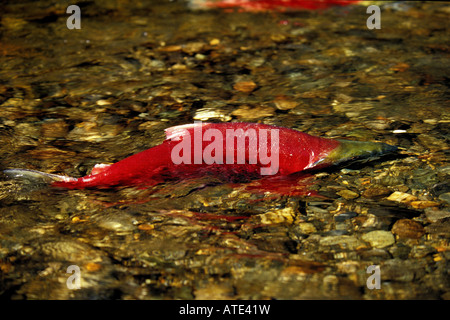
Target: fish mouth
column 349, row 151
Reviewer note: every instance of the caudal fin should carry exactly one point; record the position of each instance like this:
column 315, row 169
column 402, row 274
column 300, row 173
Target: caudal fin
column 35, row 177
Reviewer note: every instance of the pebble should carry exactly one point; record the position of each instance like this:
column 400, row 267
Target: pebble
column 343, row 98
column 200, row 56
column 379, row 238
column 440, row 228
column 306, row 227
column 91, row 132
column 407, row 228
column 378, row 124
column 157, row 64
column 205, row 114
column 348, row 194
column 68, row 250
column 146, row 227
column 402, row 197
column 92, row 267
column 377, row 192
column 445, row 197
column 421, row 251
column 245, row 86
column 170, row 48
column 193, row 47
column 348, row 267
column 422, row 204
column 285, row 103
column 400, row 67
column 434, row 214
column 214, row 42
column 353, row 110
column 344, row 241
column 278, row 216
column 119, row 223
column 251, row 113
column 400, row 251
column 374, row 254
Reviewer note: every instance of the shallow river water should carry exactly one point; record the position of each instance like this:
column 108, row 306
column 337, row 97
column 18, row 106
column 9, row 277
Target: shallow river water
column 72, row 98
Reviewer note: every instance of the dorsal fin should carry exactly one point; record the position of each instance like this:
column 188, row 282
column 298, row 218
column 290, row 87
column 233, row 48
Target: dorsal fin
column 99, row 168
column 179, row 131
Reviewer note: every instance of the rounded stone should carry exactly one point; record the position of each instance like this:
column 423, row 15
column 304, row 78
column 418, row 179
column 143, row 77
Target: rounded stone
column 379, row 238
column 348, row 194
column 445, row 197
column 407, row 228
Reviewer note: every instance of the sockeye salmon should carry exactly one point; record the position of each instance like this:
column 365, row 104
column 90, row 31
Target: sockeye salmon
column 231, row 150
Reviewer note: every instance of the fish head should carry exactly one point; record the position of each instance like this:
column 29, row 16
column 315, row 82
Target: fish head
column 349, row 151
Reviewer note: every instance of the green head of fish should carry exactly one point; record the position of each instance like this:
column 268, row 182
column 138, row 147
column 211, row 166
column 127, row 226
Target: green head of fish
column 357, row 150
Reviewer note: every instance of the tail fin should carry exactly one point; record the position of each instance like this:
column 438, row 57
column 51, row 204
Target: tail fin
column 35, row 177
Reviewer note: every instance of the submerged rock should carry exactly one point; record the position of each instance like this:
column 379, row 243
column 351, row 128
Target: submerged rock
column 379, row 238
column 406, row 228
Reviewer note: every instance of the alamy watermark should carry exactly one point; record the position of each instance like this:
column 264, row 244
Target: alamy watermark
column 74, row 21
column 250, row 146
column 374, row 280
column 374, row 21
column 74, row 281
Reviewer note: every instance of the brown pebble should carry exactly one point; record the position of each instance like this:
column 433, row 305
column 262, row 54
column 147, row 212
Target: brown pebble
column 301, row 268
column 434, row 214
column 348, row 194
column 424, row 204
column 401, row 197
column 407, row 228
column 91, row 266
column 285, row 103
column 172, row 48
column 252, row 113
column 78, row 219
column 193, row 47
column 375, row 192
column 146, row 227
column 6, row 267
column 214, row 42
column 245, row 86
column 400, row 67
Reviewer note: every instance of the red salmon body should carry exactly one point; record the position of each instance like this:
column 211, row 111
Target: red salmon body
column 232, row 150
